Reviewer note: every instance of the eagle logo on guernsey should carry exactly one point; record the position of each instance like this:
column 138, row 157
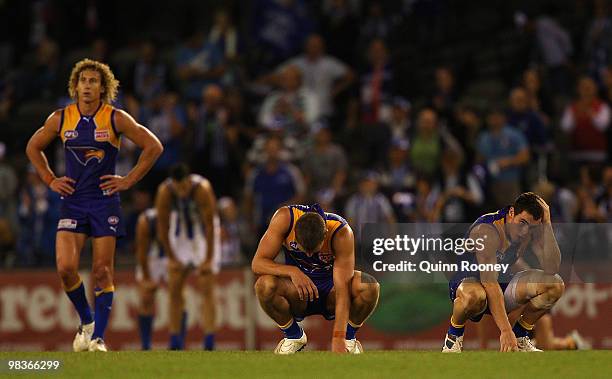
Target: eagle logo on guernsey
column 84, row 154
column 293, row 245
column 101, row 135
column 71, row 134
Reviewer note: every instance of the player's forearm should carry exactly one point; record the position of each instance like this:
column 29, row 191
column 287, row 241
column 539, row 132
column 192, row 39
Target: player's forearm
column 164, row 239
column 551, row 259
column 146, row 160
column 264, row 266
column 39, row 160
column 495, row 299
column 343, row 304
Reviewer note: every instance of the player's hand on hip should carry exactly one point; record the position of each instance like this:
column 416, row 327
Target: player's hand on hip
column 338, row 345
column 173, row 263
column 507, row 341
column 114, row 183
column 63, row 185
column 305, row 286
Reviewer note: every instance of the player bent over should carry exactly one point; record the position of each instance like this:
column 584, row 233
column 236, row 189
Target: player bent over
column 188, row 230
column 507, row 235
column 318, row 277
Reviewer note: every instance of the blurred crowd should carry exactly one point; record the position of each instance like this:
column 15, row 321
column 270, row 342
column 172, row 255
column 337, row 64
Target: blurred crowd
column 381, row 111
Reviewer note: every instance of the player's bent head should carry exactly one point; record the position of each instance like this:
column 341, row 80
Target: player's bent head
column 310, row 231
column 88, row 67
column 179, row 171
column 528, row 202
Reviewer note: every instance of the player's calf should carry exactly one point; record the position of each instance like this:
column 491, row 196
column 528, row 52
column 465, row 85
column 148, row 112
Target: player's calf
column 470, row 301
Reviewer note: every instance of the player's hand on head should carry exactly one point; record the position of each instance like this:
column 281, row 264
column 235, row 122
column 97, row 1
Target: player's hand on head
column 545, row 210
column 114, row 183
column 305, row 286
column 63, row 185
column 507, row 341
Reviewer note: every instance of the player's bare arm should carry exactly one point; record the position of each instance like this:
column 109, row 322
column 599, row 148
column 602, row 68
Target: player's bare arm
column 344, row 268
column 163, row 207
column 207, row 205
column 144, row 139
column 544, row 243
column 269, row 247
column 35, row 152
column 488, row 279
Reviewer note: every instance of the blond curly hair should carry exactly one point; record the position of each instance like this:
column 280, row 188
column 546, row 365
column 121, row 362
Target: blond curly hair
column 109, row 82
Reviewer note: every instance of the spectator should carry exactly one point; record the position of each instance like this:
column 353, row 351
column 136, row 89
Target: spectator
column 368, row 205
column 607, row 85
column 225, row 39
column 425, row 200
column 279, row 29
column 231, row 249
column 38, row 217
column 460, row 192
column 586, row 121
column 397, row 179
column 8, row 186
column 444, row 96
column 429, row 142
column 504, row 151
column 216, row 146
column 292, row 109
column 529, row 122
column 323, row 75
column 150, row 74
column 553, row 51
column 399, row 122
column 325, row 169
column 376, row 84
column 598, row 41
column 167, row 121
column 198, row 64
column 270, row 186
column 538, row 98
column 465, row 130
column 588, row 193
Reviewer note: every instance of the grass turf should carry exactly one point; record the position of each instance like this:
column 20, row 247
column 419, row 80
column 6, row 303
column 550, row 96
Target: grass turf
column 373, row 364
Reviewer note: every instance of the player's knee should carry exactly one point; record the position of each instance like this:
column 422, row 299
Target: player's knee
column 474, row 299
column 67, row 273
column 266, row 286
column 102, row 275
column 370, row 288
column 555, row 287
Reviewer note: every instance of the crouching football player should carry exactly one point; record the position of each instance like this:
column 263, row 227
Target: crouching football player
column 318, row 277
column 507, row 234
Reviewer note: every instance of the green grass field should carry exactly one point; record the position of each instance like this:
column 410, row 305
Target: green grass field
column 314, row 365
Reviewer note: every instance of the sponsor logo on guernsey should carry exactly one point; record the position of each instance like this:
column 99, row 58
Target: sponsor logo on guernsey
column 67, row 223
column 326, row 257
column 113, row 220
column 71, row 134
column 101, row 135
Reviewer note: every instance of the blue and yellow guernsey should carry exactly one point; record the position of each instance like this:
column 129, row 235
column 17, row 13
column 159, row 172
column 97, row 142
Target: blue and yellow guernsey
column 91, row 145
column 509, row 252
column 320, row 264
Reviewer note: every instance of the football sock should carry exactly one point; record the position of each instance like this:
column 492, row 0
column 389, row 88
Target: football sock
column 76, row 294
column 209, row 342
column 456, row 329
column 351, row 330
column 103, row 304
column 521, row 328
column 175, row 342
column 145, row 324
column 183, row 332
column 292, row 330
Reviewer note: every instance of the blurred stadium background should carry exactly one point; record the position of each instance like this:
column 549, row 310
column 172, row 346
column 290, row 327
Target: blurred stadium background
column 382, row 111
